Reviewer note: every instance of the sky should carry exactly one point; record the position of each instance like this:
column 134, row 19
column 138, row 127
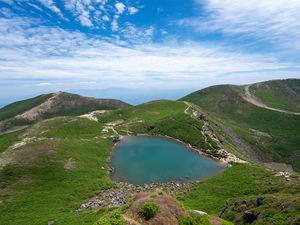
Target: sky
column 144, row 49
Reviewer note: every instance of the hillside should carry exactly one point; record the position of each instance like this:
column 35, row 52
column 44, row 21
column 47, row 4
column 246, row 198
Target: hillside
column 279, row 94
column 56, row 170
column 272, row 134
column 51, row 105
column 48, row 170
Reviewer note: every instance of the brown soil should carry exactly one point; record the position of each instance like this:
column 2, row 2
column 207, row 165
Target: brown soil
column 168, row 213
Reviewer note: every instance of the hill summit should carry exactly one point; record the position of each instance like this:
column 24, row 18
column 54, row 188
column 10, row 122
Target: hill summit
column 51, row 105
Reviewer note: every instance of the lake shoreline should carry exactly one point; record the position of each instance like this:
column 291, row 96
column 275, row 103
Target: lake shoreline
column 111, row 168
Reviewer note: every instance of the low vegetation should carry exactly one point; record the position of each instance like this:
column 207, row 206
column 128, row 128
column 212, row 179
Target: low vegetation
column 148, row 210
column 282, row 94
column 195, row 220
column 9, row 139
column 272, row 135
column 114, row 218
column 19, row 107
column 239, row 181
column 64, row 164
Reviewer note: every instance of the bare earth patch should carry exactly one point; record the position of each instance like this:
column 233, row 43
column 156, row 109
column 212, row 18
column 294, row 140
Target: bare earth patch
column 168, row 213
column 70, row 164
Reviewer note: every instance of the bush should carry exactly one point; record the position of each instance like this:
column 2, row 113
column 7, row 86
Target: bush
column 111, row 219
column 194, row 220
column 149, row 210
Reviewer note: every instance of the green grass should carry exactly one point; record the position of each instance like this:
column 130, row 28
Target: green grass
column 273, row 135
column 52, row 192
column 148, row 112
column 9, row 139
column 271, row 210
column 55, row 193
column 77, row 128
column 238, row 181
column 167, row 118
column 195, row 220
column 282, row 94
column 16, row 108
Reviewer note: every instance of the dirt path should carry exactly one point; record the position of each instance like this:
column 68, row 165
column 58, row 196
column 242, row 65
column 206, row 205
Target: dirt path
column 251, row 99
column 187, row 109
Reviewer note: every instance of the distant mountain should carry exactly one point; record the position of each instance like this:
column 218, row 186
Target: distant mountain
column 265, row 115
column 51, row 105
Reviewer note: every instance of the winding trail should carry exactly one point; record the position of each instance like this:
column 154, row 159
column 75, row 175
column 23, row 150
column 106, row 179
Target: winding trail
column 254, row 101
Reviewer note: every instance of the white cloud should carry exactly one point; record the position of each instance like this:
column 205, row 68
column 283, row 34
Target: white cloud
column 51, row 5
column 275, row 21
column 43, row 84
column 132, row 10
column 30, row 53
column 120, row 7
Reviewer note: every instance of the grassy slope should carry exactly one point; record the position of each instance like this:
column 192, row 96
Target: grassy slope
column 167, row 117
column 16, row 108
column 240, row 181
column 66, row 104
column 282, row 94
column 8, row 139
column 81, row 105
column 53, row 193
column 274, row 135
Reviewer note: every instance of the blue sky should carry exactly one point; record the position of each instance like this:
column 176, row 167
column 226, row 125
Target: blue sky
column 162, row 47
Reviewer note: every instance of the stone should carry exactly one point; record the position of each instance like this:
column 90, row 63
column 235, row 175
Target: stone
column 150, row 127
column 50, row 222
column 259, row 201
column 243, row 208
column 249, row 217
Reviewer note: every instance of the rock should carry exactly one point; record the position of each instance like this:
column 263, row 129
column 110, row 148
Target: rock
column 249, row 217
column 259, row 201
column 50, row 222
column 243, row 208
column 150, row 127
column 116, row 139
column 199, row 212
column 287, row 206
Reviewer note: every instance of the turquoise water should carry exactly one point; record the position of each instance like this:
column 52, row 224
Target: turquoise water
column 142, row 160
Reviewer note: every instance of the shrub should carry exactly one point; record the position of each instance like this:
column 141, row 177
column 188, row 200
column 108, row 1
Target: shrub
column 114, row 218
column 149, row 210
column 194, row 220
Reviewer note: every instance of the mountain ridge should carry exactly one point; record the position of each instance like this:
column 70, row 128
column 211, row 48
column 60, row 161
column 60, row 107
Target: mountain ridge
column 271, row 132
column 51, row 105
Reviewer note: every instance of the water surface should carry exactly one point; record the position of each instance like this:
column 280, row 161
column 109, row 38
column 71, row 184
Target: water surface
column 142, row 160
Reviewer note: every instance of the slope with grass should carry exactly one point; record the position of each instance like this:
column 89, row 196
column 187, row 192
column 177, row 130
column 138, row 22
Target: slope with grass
column 52, row 167
column 280, row 94
column 217, row 195
column 273, row 136
column 51, row 105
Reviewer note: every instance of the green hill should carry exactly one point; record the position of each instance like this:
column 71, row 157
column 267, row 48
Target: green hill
column 273, row 135
column 281, row 94
column 19, row 107
column 54, row 166
column 51, row 105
